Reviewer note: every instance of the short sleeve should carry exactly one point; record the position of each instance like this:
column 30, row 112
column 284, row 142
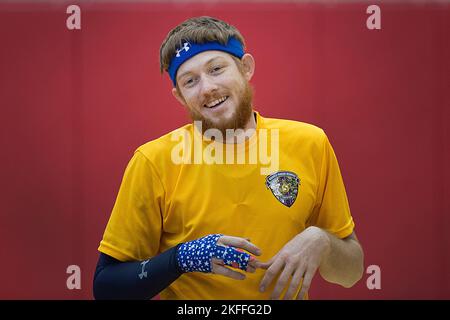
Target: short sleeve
column 134, row 228
column 331, row 211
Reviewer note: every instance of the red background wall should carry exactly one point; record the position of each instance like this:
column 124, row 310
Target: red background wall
column 76, row 103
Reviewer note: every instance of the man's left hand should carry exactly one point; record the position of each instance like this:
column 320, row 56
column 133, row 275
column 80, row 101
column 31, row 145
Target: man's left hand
column 299, row 258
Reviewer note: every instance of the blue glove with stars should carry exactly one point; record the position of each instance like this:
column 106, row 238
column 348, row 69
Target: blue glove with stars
column 197, row 255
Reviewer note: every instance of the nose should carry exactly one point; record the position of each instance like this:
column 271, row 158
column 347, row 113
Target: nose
column 208, row 86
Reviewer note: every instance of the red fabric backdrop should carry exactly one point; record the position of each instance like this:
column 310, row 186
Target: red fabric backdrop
column 76, row 103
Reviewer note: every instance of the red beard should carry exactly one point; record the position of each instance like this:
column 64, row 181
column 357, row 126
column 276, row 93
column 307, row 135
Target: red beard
column 239, row 119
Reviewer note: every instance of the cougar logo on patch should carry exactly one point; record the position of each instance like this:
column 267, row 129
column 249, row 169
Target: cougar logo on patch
column 284, row 186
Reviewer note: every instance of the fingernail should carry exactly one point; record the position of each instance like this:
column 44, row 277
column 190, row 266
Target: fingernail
column 262, row 288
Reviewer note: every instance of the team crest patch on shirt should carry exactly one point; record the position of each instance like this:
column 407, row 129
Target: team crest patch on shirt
column 284, row 186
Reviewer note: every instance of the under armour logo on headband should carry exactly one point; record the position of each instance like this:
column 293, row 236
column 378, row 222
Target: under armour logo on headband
column 185, row 47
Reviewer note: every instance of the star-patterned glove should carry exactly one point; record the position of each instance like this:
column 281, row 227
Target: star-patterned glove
column 197, row 255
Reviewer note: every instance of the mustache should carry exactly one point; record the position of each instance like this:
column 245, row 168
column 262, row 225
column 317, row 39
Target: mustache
column 212, row 97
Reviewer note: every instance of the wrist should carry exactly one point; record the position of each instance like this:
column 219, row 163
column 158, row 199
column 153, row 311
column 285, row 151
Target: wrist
column 327, row 242
column 323, row 240
column 177, row 258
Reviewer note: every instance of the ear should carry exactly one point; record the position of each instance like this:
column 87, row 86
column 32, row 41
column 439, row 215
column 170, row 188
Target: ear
column 248, row 63
column 178, row 96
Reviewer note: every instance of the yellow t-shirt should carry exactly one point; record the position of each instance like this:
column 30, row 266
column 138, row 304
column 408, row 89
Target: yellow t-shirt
column 162, row 202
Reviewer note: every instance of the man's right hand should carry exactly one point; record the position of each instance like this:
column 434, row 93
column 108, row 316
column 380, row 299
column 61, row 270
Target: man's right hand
column 214, row 252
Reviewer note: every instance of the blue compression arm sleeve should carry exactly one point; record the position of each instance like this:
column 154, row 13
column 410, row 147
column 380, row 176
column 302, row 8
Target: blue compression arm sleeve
column 136, row 280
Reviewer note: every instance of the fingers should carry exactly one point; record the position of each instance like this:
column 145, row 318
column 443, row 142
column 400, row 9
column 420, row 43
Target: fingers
column 282, row 281
column 270, row 274
column 252, row 264
column 294, row 284
column 239, row 243
column 218, row 269
column 306, row 283
column 250, row 269
column 265, row 265
column 217, row 261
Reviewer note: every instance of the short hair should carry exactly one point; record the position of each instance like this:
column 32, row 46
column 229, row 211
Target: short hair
column 197, row 30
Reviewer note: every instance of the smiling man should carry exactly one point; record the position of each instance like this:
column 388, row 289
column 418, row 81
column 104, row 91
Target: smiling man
column 191, row 230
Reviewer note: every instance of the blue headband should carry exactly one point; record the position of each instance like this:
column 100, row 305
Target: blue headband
column 189, row 50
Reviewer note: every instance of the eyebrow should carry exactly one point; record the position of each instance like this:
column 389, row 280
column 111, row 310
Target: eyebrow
column 207, row 62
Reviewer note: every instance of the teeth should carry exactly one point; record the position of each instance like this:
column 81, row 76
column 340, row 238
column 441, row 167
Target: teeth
column 215, row 102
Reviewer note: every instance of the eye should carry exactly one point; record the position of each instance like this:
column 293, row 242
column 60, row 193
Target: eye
column 216, row 69
column 188, row 82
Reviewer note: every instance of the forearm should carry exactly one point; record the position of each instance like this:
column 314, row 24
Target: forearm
column 114, row 279
column 343, row 261
column 135, row 280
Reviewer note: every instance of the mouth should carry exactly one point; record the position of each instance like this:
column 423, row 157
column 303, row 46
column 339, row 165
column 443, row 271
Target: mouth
column 216, row 103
